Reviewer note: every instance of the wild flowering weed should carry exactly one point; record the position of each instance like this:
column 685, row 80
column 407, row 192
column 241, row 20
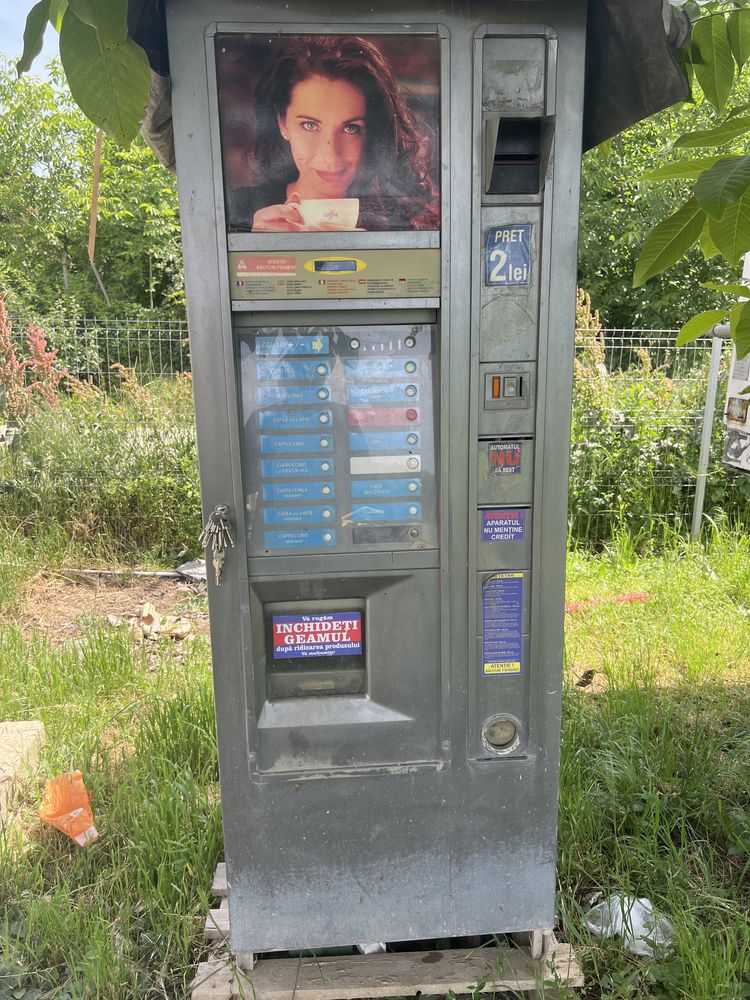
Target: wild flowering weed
column 21, row 378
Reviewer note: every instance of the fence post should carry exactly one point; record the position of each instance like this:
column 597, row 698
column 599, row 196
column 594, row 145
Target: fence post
column 720, row 334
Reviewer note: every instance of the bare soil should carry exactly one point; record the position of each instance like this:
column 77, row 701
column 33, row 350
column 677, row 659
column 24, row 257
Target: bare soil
column 61, row 605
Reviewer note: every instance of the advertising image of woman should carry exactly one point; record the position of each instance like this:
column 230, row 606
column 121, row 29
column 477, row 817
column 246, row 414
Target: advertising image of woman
column 330, row 124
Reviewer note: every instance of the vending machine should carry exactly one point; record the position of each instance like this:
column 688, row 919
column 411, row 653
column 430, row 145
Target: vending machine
column 379, row 210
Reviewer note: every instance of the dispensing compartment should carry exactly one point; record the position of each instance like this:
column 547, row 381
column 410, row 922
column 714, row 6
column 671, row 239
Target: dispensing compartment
column 314, row 649
column 518, row 102
column 341, row 676
column 515, row 146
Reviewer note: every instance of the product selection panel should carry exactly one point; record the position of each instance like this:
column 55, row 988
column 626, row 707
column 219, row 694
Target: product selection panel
column 339, row 438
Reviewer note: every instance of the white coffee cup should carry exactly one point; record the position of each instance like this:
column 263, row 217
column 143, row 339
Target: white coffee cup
column 341, row 213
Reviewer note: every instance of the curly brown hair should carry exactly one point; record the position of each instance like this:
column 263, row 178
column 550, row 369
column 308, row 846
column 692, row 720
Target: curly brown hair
column 395, row 180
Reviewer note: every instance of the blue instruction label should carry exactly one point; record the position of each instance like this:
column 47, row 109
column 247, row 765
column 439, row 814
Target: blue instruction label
column 502, row 624
column 303, row 420
column 291, row 371
column 507, row 255
column 372, row 489
column 300, row 442
column 312, row 538
column 291, row 345
column 293, row 467
column 298, row 491
column 503, row 525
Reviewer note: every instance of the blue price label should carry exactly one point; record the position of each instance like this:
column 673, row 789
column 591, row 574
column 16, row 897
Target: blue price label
column 304, row 420
column 291, row 371
column 373, row 489
column 302, row 442
column 387, row 512
column 507, row 255
column 312, row 538
column 385, row 441
column 294, row 467
column 298, row 491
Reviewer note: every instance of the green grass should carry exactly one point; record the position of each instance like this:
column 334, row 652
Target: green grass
column 124, row 917
column 655, row 794
column 655, row 785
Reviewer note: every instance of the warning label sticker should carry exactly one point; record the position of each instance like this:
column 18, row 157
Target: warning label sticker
column 502, row 624
column 334, row 634
column 503, row 525
column 504, row 458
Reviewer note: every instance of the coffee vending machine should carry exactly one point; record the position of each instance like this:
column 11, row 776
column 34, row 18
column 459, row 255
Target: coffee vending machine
column 379, row 209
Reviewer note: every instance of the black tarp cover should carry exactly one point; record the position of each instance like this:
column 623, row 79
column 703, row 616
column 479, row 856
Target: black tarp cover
column 631, row 71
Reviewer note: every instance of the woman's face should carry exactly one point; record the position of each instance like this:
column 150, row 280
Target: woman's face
column 325, row 127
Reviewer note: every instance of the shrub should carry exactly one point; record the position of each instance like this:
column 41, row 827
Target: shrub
column 117, row 473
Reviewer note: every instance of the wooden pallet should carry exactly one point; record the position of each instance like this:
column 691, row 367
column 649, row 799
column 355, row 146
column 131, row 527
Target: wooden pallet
column 350, row 977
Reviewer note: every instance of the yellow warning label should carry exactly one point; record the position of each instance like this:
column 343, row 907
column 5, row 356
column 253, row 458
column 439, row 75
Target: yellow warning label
column 507, row 667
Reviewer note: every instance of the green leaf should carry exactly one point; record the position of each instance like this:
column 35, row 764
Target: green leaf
column 717, row 136
column 739, row 327
column 57, row 10
column 738, row 26
column 743, row 291
column 712, row 59
column 723, row 184
column 681, row 169
column 109, row 81
column 109, row 17
column 33, row 35
column 731, row 233
column 699, row 325
column 668, row 241
column 708, row 247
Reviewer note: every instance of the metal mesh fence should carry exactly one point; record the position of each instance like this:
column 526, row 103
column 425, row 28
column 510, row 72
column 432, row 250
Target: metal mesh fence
column 637, row 419
column 88, row 347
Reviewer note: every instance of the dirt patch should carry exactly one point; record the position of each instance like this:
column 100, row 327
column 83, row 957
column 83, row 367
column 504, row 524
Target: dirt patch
column 61, row 606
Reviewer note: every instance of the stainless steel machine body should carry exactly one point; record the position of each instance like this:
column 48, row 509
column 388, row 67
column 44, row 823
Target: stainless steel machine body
column 386, row 414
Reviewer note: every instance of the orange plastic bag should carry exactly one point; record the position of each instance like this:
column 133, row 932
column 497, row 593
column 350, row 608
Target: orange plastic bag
column 66, row 804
